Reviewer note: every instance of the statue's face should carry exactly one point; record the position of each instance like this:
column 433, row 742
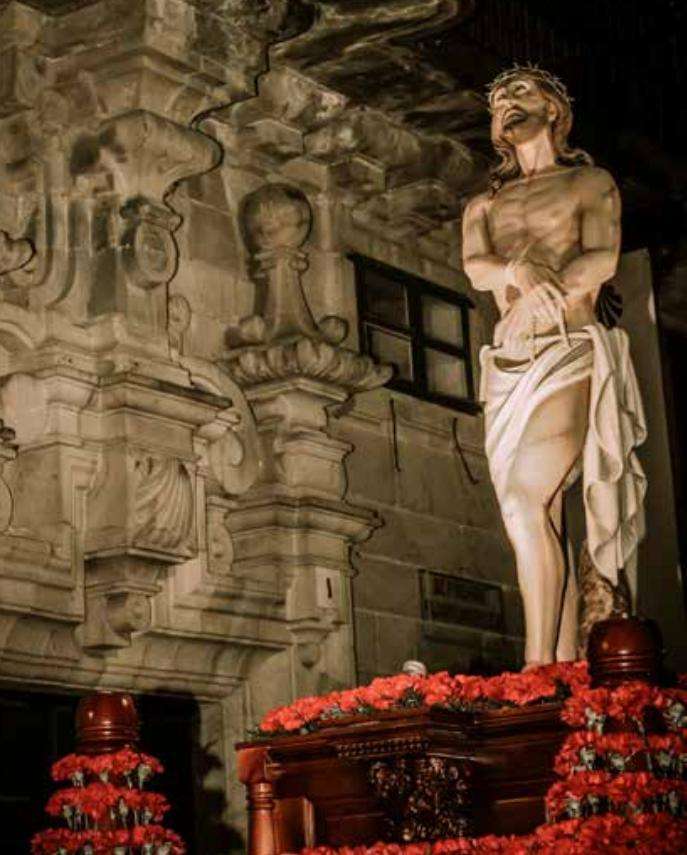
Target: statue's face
column 520, row 111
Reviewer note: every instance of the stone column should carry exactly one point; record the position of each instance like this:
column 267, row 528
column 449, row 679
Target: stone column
column 295, row 521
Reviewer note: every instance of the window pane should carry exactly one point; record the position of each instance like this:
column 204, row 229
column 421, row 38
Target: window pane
column 385, row 301
column 442, row 321
column 446, row 374
column 392, row 349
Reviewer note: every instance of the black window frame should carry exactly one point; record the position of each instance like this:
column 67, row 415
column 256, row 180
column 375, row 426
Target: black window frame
column 415, row 289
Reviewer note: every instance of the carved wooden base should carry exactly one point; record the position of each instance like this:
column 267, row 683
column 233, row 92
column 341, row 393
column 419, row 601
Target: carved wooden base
column 408, row 775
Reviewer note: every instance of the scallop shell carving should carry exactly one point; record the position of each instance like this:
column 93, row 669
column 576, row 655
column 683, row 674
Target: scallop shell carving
column 163, row 505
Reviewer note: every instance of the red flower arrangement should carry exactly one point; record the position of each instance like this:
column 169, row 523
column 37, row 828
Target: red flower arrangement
column 119, row 765
column 587, row 793
column 98, row 802
column 625, row 705
column 644, row 834
column 587, row 750
column 107, row 810
column 105, row 842
column 547, row 683
column 621, row 791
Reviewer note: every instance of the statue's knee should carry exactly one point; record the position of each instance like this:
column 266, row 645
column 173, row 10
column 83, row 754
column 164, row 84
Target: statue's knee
column 521, row 508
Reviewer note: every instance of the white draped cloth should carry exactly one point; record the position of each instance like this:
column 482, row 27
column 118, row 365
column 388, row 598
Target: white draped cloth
column 614, row 484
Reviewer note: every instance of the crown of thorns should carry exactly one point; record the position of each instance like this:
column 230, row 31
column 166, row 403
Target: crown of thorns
column 534, row 73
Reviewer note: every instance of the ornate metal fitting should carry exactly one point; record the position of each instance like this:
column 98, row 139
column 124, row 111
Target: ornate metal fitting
column 425, row 798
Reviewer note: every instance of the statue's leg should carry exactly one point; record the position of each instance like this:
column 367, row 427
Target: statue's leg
column 551, row 443
column 566, row 644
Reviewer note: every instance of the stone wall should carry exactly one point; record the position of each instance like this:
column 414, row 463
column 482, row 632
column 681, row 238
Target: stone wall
column 421, row 467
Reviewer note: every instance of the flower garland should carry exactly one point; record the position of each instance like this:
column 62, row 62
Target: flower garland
column 627, row 705
column 119, row 765
column 99, row 802
column 148, row 839
column 586, row 751
column 587, row 793
column 107, row 810
column 459, row 693
column 644, row 834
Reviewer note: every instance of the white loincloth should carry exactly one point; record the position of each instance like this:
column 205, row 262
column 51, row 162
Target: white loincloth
column 614, row 484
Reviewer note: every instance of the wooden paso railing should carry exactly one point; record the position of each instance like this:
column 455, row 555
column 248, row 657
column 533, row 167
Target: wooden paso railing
column 404, row 776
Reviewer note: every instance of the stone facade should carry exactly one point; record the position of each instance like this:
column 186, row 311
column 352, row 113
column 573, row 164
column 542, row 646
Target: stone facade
column 205, row 487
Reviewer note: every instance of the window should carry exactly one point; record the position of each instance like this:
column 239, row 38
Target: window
column 421, row 329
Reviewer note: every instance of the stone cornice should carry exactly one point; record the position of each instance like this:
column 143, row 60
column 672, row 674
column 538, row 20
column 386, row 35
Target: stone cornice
column 393, row 179
column 350, row 45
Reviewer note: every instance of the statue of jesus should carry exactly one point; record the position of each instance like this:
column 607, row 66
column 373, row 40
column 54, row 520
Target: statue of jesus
column 559, row 389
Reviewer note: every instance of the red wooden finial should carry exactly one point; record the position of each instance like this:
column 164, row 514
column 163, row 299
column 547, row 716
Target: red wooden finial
column 624, row 648
column 106, row 722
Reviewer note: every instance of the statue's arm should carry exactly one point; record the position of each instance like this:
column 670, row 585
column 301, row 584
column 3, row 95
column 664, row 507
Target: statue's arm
column 600, row 236
column 487, row 271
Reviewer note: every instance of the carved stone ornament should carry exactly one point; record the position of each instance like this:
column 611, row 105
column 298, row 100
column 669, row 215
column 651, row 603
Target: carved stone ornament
column 310, row 358
column 128, row 612
column 286, row 340
column 150, row 252
column 276, row 220
column 424, row 797
column 163, row 505
column 119, row 593
column 219, row 544
column 7, row 452
column 14, row 254
column 178, row 320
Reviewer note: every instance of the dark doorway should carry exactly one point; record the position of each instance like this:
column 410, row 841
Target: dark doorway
column 37, row 728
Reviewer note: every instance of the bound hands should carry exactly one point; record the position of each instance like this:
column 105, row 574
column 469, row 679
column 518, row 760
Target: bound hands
column 540, row 304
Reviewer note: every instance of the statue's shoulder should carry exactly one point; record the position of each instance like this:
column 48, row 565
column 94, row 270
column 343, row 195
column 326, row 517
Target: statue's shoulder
column 478, row 205
column 593, row 179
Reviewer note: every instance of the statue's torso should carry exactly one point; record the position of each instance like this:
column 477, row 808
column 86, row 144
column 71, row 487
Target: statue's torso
column 540, row 215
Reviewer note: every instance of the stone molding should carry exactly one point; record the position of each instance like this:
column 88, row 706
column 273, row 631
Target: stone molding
column 393, row 179
column 307, row 358
column 94, row 138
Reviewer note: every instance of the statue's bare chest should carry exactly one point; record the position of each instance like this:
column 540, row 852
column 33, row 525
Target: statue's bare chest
column 543, row 211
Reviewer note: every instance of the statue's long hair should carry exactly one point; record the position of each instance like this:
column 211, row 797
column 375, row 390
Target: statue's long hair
column 554, row 91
